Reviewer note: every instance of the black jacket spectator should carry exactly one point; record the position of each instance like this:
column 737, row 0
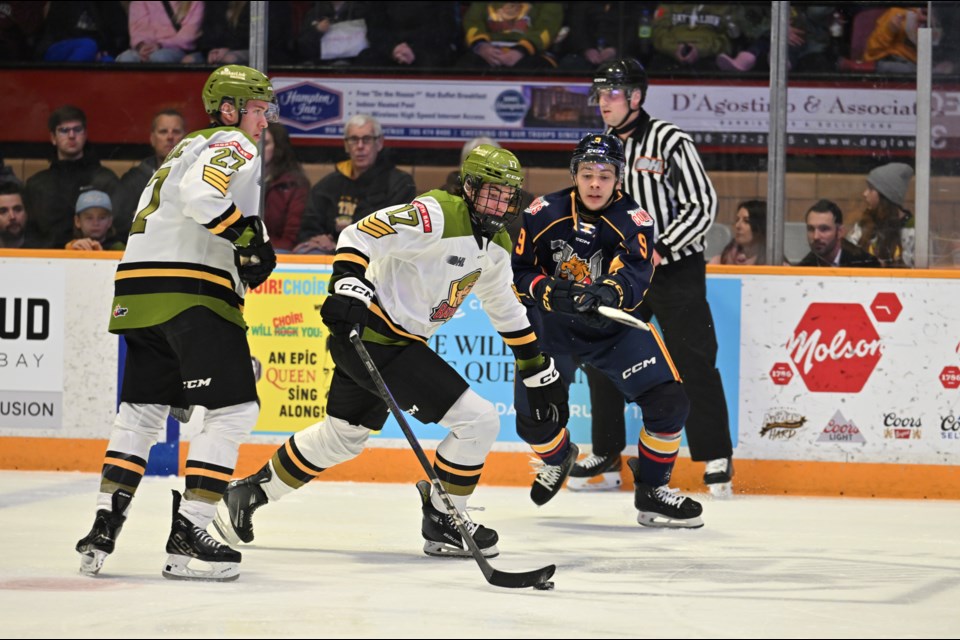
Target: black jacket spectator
column 850, row 256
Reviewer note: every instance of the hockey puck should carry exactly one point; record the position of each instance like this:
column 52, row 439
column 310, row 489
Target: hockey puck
column 544, row 586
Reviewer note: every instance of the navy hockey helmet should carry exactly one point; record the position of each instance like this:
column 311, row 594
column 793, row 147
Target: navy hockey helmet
column 625, row 74
column 598, row 147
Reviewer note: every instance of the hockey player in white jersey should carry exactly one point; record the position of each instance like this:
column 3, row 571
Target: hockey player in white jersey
column 400, row 273
column 195, row 246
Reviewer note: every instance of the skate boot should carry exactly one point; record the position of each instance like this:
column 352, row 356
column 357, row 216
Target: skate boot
column 99, row 543
column 663, row 506
column 440, row 534
column 596, row 473
column 234, row 520
column 189, row 542
column 718, row 476
column 550, row 477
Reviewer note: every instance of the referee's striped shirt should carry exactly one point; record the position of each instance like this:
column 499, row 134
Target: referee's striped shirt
column 665, row 175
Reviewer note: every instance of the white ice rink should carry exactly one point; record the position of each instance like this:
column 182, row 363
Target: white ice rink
column 345, row 560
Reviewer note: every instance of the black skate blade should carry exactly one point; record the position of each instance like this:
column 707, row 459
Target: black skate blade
column 522, row 580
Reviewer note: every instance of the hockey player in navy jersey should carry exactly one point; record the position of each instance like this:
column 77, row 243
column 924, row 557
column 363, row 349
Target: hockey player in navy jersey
column 401, row 273
column 588, row 246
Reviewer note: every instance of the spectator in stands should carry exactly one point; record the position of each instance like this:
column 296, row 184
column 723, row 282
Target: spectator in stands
column 7, row 174
column 364, row 183
column 166, row 131
column 601, row 32
column 21, row 24
column 225, row 34
column 516, row 35
column 828, row 247
column 52, row 193
column 749, row 243
column 399, row 34
column 334, row 33
column 691, row 36
column 162, row 31
column 13, row 217
column 287, row 188
column 83, row 31
column 885, row 228
column 893, row 43
column 93, row 224
column 811, row 46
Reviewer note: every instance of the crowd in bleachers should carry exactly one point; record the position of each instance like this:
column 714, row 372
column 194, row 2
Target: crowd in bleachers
column 571, row 37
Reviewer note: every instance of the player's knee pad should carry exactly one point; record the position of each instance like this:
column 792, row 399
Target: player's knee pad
column 331, row 441
column 474, row 422
column 233, row 423
column 665, row 408
column 147, row 420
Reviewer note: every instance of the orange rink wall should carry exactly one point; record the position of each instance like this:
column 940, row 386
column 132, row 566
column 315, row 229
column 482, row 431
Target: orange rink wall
column 509, row 468
column 770, row 477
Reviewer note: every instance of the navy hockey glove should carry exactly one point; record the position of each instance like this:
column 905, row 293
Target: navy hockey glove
column 546, row 393
column 347, row 306
column 256, row 262
column 594, row 296
column 557, row 294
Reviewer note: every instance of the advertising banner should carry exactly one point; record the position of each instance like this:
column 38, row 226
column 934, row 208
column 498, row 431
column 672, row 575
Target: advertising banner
column 851, row 369
column 850, row 119
column 32, row 313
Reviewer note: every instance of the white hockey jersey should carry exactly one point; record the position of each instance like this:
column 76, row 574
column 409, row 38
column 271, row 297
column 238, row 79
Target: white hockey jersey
column 179, row 253
column 424, row 260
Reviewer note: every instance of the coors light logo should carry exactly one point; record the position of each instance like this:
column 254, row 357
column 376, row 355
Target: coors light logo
column 835, row 346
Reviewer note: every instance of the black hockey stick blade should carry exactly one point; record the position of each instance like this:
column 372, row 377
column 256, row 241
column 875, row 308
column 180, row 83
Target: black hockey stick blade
column 495, row 577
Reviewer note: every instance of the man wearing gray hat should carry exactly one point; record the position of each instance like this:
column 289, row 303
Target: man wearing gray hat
column 885, row 229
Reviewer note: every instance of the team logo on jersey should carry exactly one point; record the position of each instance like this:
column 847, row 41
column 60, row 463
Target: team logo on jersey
column 641, row 218
column 236, row 147
column 459, row 290
column 571, row 266
column 536, row 205
column 649, row 165
column 119, row 312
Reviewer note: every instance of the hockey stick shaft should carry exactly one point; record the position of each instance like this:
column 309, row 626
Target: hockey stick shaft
column 493, row 576
column 623, row 318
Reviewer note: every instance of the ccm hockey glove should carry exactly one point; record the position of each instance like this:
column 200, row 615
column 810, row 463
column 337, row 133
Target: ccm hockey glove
column 347, row 306
column 593, row 297
column 256, row 262
column 546, row 392
column 556, row 294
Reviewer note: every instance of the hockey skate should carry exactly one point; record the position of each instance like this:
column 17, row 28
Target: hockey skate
column 550, row 477
column 99, row 543
column 234, row 520
column 718, row 476
column 595, row 473
column 663, row 506
column 188, row 542
column 440, row 534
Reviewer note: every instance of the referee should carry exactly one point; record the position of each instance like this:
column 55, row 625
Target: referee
column 665, row 175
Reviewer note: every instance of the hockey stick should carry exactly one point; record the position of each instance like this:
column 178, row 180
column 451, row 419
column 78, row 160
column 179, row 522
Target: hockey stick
column 623, row 318
column 537, row 578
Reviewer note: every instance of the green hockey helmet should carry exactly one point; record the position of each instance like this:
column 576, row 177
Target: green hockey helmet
column 489, row 165
column 236, row 84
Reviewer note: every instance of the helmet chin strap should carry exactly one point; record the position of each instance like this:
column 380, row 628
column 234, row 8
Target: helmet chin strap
column 627, row 124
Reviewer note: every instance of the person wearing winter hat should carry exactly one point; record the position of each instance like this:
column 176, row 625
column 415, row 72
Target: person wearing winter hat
column 93, row 223
column 885, row 228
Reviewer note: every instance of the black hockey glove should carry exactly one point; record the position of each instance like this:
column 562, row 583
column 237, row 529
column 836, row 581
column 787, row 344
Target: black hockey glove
column 347, row 305
column 256, row 262
column 546, row 393
column 594, row 296
column 557, row 294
